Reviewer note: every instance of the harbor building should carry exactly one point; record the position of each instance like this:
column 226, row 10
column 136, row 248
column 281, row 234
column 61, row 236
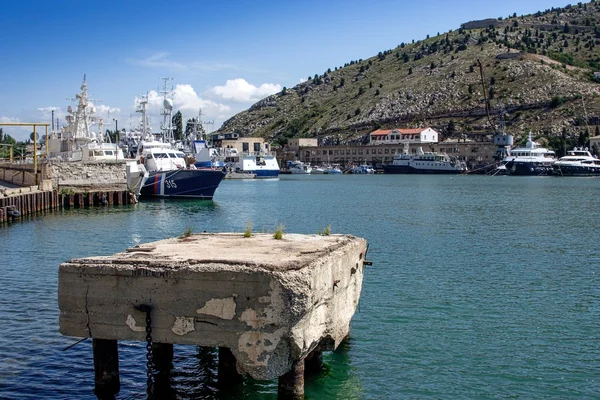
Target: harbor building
column 397, row 135
column 384, row 143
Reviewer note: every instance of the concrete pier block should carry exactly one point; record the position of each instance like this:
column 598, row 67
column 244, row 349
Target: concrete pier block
column 269, row 301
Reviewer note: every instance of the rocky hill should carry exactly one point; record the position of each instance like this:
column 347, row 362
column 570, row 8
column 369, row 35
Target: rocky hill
column 536, row 72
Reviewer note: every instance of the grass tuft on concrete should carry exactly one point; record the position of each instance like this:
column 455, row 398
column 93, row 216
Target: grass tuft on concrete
column 248, row 230
column 279, row 232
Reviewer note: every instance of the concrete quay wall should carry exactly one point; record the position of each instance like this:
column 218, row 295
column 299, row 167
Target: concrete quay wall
column 80, row 176
column 271, row 302
column 77, row 176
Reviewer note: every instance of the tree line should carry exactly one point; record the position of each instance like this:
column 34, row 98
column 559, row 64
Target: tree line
column 6, row 139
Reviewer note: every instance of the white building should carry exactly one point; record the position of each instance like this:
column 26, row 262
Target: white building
column 396, row 136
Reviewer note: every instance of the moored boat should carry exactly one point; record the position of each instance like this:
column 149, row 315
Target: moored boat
column 206, row 156
column 262, row 165
column 79, row 145
column 424, row 163
column 168, row 173
column 530, row 160
column 298, row 167
column 169, row 176
column 362, row 169
column 577, row 162
column 333, row 169
column 318, row 170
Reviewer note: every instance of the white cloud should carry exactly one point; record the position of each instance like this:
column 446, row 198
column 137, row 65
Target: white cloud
column 19, row 133
column 302, row 80
column 8, row 119
column 103, row 109
column 164, row 61
column 159, row 60
column 186, row 100
column 47, row 110
column 242, row 91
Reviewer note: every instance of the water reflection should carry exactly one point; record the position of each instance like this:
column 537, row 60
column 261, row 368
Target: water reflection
column 338, row 378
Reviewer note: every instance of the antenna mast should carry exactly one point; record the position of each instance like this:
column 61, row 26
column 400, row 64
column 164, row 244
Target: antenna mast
column 167, row 111
column 201, row 123
column 141, row 108
column 80, row 119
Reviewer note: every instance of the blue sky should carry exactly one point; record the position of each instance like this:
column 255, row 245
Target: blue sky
column 223, row 55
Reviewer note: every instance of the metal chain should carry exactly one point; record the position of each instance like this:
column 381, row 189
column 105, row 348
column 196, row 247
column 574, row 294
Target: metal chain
column 149, row 360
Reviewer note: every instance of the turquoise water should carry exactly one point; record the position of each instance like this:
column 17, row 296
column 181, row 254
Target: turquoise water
column 481, row 287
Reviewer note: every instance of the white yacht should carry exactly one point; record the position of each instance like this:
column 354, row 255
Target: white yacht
column 530, row 160
column 298, row 167
column 577, row 162
column 333, row 169
column 424, row 163
column 362, row 169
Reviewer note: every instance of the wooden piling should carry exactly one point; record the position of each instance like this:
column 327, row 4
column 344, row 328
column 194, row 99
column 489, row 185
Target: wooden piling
column 106, row 367
column 34, row 202
column 291, row 384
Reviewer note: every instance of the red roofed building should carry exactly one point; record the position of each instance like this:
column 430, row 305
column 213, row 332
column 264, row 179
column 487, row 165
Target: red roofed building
column 395, row 136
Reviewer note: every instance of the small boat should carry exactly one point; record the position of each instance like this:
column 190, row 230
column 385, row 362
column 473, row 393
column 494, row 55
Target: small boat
column 362, row 169
column 333, row 169
column 318, row 170
column 298, row 167
column 577, row 162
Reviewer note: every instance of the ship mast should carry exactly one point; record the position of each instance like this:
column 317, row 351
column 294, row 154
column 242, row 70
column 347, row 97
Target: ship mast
column 196, row 133
column 81, row 119
column 167, row 125
column 141, row 108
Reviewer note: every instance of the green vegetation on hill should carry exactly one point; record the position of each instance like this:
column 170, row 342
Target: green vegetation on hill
column 538, row 74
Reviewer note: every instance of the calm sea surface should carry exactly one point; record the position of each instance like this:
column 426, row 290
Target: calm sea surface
column 481, row 287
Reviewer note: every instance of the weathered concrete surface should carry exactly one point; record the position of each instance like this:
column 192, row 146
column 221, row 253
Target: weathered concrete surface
column 81, row 176
column 270, row 301
column 78, row 176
